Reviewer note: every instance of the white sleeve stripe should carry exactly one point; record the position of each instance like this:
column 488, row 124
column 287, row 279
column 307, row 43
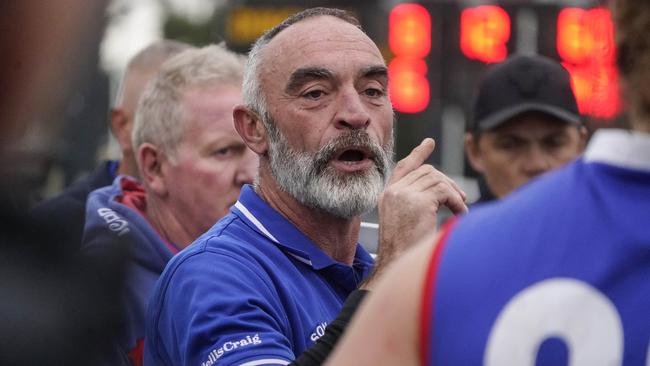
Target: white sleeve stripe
column 267, row 361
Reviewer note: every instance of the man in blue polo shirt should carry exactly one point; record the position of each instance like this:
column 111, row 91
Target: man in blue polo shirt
column 558, row 273
column 261, row 286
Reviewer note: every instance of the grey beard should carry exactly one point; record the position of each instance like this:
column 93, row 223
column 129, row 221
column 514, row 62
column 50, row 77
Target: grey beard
column 314, row 183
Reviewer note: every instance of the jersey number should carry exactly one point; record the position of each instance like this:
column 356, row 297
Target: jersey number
column 572, row 310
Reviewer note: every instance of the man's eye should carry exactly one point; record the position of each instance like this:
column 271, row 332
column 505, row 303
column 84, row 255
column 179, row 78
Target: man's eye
column 223, row 152
column 555, row 142
column 374, row 93
column 314, row 94
column 229, row 151
column 507, row 144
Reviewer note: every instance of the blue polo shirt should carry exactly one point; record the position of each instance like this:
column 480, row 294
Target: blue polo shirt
column 253, row 290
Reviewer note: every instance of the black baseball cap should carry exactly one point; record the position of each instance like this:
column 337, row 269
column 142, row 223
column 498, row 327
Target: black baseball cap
column 522, row 84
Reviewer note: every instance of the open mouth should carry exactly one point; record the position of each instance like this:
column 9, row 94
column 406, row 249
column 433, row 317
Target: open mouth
column 352, row 155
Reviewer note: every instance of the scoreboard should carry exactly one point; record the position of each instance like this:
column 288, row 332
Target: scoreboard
column 583, row 42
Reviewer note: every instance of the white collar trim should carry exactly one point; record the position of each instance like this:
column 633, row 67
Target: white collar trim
column 623, row 148
column 240, row 206
column 255, row 221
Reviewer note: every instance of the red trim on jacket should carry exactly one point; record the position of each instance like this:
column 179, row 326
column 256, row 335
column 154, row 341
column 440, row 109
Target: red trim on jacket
column 136, row 355
column 135, row 198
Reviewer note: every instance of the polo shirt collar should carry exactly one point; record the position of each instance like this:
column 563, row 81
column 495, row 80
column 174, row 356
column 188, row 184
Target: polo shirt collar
column 623, row 148
column 264, row 219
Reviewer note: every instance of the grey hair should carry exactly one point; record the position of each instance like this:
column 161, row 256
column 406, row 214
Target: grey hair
column 160, row 114
column 148, row 60
column 252, row 93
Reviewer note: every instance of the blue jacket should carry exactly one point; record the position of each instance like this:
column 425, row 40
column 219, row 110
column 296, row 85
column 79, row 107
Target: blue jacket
column 110, row 223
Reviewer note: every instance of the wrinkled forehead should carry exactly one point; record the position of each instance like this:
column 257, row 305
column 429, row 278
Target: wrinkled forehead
column 324, row 42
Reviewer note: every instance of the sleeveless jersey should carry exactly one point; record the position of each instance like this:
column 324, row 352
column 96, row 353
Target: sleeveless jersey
column 556, row 274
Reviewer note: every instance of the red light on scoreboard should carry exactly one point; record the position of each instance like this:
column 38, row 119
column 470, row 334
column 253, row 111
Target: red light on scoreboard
column 596, row 89
column 409, row 38
column 573, row 41
column 585, row 42
column 484, row 32
column 584, row 34
column 409, row 87
column 410, row 30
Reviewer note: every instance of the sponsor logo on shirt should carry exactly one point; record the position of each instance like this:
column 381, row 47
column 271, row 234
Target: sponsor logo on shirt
column 318, row 332
column 114, row 221
column 231, row 346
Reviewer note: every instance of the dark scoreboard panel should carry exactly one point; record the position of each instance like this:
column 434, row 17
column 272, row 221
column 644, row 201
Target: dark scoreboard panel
column 582, row 39
column 438, row 50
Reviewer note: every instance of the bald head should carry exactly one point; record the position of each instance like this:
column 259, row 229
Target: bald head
column 142, row 68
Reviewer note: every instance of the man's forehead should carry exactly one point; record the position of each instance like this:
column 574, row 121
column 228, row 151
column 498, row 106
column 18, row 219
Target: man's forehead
column 309, row 42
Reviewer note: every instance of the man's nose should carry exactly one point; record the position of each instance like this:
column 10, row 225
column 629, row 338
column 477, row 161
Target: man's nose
column 351, row 113
column 536, row 162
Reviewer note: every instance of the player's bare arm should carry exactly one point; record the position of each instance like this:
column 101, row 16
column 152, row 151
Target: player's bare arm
column 385, row 329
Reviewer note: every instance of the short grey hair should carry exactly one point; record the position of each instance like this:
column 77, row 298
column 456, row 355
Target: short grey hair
column 253, row 96
column 160, row 113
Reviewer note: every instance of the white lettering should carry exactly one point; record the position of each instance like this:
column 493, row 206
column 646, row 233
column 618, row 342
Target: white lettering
column 114, row 221
column 318, row 332
column 228, row 346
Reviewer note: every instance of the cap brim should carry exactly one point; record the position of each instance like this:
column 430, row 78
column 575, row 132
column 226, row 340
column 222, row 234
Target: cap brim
column 504, row 115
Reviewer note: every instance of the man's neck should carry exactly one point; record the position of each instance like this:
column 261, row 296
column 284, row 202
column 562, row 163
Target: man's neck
column 167, row 224
column 127, row 166
column 335, row 236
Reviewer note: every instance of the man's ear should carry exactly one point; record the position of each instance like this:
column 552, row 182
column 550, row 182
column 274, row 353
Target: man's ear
column 120, row 125
column 150, row 164
column 251, row 129
column 473, row 152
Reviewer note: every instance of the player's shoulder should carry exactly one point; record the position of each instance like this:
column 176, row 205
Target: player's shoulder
column 546, row 195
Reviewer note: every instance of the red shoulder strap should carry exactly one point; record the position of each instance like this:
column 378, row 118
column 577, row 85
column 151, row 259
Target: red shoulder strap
column 426, row 306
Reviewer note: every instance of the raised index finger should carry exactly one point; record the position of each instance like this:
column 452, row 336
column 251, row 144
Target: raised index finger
column 414, row 160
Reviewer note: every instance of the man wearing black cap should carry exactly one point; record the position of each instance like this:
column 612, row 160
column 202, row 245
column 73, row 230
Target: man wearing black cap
column 526, row 122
